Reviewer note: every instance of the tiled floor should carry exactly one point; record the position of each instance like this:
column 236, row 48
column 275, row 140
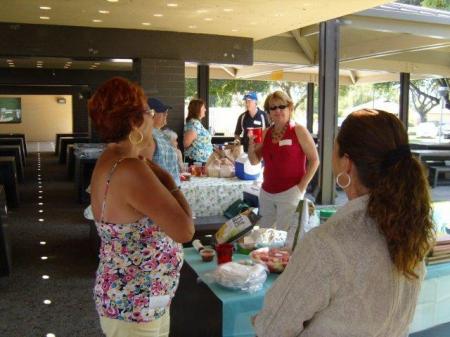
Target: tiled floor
column 41, row 146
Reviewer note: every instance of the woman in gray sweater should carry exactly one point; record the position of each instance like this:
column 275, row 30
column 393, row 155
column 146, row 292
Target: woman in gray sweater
column 359, row 274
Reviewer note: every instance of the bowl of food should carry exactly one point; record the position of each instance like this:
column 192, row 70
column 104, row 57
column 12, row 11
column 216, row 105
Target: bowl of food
column 275, row 259
column 207, row 254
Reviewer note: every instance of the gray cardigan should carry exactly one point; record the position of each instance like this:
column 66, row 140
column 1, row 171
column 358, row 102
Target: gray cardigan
column 341, row 282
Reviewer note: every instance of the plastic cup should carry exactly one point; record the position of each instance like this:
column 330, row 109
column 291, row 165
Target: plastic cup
column 255, row 132
column 224, row 252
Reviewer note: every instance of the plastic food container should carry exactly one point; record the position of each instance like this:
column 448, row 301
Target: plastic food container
column 275, row 259
column 207, row 254
column 325, row 214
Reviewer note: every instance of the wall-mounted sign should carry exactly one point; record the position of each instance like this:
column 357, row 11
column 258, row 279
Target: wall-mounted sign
column 10, row 110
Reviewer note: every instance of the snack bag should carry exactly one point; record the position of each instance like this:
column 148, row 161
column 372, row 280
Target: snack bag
column 234, row 228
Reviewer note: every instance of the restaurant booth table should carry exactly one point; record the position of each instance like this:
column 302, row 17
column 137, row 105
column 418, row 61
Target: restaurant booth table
column 212, row 310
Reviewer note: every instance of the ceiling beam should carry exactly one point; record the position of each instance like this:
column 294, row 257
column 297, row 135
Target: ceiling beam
column 304, row 46
column 229, row 70
column 85, row 42
column 309, row 30
column 257, row 70
column 393, row 66
column 389, row 46
column 352, row 75
column 378, row 24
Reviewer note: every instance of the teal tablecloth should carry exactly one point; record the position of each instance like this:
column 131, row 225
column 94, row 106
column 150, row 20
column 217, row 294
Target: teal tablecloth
column 237, row 306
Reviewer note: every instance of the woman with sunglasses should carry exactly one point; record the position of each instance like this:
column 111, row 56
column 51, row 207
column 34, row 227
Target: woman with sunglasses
column 290, row 161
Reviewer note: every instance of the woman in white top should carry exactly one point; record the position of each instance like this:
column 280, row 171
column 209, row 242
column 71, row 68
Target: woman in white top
column 359, row 274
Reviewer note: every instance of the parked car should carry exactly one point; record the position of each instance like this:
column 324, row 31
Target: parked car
column 427, row 130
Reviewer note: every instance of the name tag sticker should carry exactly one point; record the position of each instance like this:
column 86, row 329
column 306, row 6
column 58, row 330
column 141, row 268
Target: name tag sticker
column 257, row 122
column 159, row 301
column 285, row 142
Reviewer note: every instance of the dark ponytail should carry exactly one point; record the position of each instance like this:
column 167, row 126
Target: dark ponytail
column 377, row 143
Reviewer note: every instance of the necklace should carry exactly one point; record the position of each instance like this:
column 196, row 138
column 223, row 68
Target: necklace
column 277, row 135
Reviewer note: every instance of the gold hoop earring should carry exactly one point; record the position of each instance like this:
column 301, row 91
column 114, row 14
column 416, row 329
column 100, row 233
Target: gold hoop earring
column 133, row 141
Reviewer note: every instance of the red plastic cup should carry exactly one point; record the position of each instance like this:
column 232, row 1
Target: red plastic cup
column 224, row 252
column 256, row 132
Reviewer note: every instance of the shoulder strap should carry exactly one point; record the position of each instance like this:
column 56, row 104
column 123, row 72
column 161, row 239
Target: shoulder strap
column 107, row 187
column 242, row 122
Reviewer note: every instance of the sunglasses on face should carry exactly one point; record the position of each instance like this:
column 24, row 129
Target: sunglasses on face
column 281, row 107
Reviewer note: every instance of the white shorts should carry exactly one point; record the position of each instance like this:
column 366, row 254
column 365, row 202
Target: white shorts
column 277, row 209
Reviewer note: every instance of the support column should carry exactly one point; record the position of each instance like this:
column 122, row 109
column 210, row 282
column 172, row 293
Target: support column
column 404, row 98
column 328, row 106
column 310, row 106
column 203, row 89
column 164, row 80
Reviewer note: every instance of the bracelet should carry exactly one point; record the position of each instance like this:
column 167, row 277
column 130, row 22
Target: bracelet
column 174, row 190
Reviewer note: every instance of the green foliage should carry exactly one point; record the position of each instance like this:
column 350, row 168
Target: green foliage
column 221, row 92
column 439, row 4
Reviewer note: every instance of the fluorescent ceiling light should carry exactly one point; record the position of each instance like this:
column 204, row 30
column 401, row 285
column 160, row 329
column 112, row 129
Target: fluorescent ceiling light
column 45, row 8
column 122, row 60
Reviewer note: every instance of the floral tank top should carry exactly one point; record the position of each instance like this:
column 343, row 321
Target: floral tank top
column 139, row 269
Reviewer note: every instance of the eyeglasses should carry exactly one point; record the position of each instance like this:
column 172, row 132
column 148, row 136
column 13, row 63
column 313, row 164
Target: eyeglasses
column 281, row 107
column 150, row 112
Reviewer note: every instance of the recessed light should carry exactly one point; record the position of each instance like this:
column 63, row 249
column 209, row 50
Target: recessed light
column 47, row 302
column 103, row 11
column 40, row 197
column 234, row 30
column 208, row 19
column 69, row 62
column 45, row 277
column 97, row 63
column 8, row 60
column 192, row 26
column 44, row 17
column 42, row 243
column 201, row 11
column 146, row 23
column 158, row 15
column 41, row 220
column 112, row 0
column 40, row 203
column 52, row 334
column 45, row 8
column 172, row 5
column 44, row 257
column 228, row 9
column 122, row 60
column 11, row 65
column 41, row 211
column 96, row 20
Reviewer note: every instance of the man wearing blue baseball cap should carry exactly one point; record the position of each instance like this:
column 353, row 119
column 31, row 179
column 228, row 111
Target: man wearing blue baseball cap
column 253, row 117
column 163, row 154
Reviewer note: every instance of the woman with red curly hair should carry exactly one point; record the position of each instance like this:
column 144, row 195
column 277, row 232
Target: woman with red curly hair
column 360, row 273
column 141, row 217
